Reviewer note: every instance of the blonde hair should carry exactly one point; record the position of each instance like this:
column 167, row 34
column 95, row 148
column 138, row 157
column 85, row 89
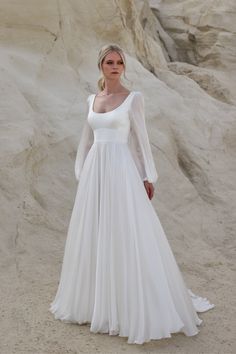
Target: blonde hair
column 101, row 56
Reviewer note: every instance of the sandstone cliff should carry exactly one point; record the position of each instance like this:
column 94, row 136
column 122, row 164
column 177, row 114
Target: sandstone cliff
column 181, row 55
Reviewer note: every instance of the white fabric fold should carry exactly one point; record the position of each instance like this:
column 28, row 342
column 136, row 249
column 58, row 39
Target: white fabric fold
column 201, row 304
column 139, row 141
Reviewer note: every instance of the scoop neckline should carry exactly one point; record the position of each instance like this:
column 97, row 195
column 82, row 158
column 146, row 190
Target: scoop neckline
column 94, row 95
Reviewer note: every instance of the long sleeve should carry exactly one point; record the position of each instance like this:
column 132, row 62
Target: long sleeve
column 85, row 143
column 139, row 140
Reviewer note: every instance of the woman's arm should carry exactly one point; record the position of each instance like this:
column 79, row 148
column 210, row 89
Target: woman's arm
column 139, row 141
column 86, row 141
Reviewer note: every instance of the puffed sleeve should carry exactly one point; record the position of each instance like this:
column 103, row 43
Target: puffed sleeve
column 139, row 140
column 85, row 143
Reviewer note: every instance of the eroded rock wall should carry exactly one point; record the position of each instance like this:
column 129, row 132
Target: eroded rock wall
column 48, row 66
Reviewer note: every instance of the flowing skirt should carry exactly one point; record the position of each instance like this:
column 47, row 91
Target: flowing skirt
column 118, row 272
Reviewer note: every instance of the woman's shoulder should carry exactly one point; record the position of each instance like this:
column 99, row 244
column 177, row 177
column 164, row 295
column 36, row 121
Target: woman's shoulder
column 137, row 94
column 138, row 97
column 90, row 95
column 89, row 98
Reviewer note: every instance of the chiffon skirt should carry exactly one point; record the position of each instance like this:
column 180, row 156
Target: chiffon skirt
column 118, row 272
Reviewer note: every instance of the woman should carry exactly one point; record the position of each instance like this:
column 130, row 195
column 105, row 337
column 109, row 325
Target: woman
column 119, row 273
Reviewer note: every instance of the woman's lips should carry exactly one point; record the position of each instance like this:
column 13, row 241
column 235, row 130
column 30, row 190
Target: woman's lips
column 115, row 72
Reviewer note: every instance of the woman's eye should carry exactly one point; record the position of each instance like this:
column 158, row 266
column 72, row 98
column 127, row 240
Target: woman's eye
column 111, row 62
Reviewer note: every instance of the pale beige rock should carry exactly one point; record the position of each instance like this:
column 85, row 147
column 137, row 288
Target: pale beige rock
column 202, row 34
column 204, row 31
column 216, row 83
column 48, row 67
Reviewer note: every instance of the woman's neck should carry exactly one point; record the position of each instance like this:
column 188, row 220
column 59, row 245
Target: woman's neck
column 112, row 87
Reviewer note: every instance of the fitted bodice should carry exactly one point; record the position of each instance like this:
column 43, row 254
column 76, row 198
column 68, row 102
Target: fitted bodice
column 113, row 125
column 125, row 124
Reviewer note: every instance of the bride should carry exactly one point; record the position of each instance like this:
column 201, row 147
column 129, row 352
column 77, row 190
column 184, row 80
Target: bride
column 119, row 274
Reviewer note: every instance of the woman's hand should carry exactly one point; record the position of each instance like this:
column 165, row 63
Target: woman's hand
column 149, row 188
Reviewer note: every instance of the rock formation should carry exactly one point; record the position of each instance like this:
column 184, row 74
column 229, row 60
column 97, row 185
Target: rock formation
column 181, row 55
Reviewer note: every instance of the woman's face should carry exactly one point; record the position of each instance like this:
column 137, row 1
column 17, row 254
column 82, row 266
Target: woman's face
column 112, row 66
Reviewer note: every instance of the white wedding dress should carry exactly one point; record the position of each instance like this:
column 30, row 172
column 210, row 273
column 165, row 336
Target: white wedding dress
column 118, row 272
